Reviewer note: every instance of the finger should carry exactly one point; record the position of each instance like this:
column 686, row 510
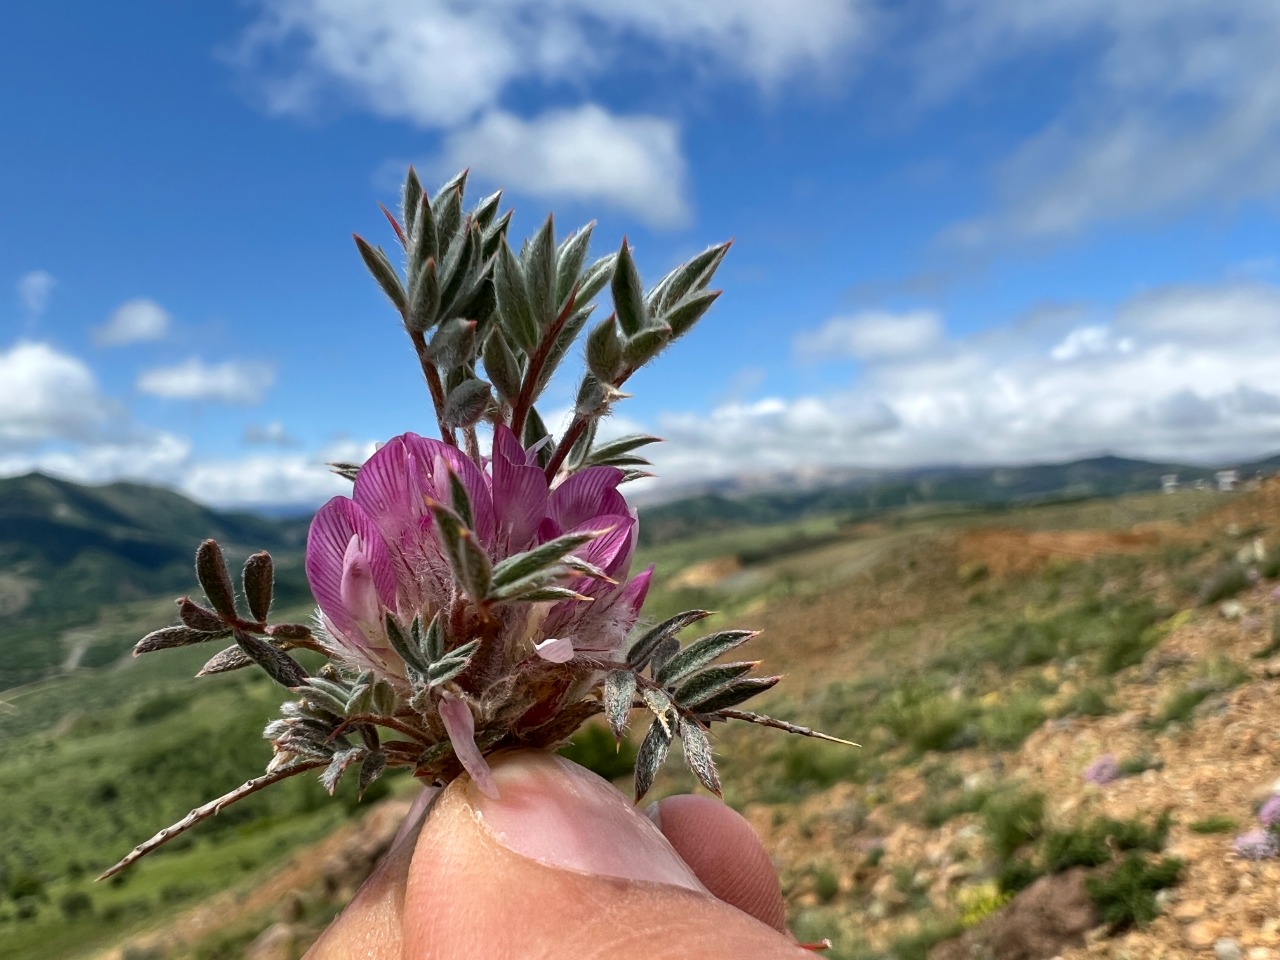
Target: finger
column 725, row 854
column 562, row 865
column 370, row 926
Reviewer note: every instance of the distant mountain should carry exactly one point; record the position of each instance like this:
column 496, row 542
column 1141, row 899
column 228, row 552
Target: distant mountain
column 763, row 500
column 67, row 547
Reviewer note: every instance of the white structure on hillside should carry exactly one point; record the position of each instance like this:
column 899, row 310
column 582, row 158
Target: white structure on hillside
column 1227, row 480
column 1169, row 482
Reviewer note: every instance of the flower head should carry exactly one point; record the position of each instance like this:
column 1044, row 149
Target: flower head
column 1104, row 770
column 1258, row 845
column 1269, row 815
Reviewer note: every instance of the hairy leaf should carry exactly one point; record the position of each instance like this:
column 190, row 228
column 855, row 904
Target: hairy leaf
column 642, row 647
column 258, row 580
column 651, row 756
column 700, row 653
column 215, row 579
column 168, row 637
column 697, row 754
column 619, row 689
column 628, row 298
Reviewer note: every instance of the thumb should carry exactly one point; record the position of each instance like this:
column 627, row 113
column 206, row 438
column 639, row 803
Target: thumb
column 561, row 864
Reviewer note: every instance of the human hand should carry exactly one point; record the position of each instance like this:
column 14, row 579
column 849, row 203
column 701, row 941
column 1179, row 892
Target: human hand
column 562, row 865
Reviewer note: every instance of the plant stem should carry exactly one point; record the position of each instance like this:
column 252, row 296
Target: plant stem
column 539, row 360
column 432, row 376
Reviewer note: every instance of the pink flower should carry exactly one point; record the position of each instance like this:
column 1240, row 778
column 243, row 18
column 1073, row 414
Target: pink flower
column 380, row 553
column 1104, row 770
column 1269, row 815
column 1257, row 845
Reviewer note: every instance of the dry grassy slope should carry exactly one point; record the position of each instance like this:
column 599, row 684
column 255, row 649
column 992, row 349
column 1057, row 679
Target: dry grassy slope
column 883, row 604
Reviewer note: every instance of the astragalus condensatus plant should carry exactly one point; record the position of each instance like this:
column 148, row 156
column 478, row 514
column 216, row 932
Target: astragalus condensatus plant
column 475, row 591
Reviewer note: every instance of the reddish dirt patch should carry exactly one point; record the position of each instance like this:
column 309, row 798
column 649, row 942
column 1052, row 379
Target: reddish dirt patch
column 1010, row 550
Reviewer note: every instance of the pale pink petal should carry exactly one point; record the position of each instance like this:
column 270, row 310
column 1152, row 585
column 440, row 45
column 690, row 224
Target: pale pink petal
column 429, row 453
column 555, row 649
column 358, row 591
column 328, row 542
column 461, row 727
column 592, row 492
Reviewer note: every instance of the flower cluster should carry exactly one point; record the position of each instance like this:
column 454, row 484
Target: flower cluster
column 1104, row 770
column 475, row 592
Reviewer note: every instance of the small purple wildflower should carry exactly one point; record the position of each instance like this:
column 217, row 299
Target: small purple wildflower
column 1104, row 770
column 1269, row 815
column 1258, row 845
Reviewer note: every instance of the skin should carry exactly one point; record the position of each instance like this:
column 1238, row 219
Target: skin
column 562, row 865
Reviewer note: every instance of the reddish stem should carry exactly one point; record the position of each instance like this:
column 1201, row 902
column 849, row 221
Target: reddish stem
column 539, row 360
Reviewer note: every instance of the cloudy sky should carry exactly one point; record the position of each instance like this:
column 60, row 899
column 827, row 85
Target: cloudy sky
column 977, row 231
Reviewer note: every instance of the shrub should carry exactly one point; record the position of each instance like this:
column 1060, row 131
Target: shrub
column 594, row 747
column 826, row 885
column 75, row 904
column 1007, row 725
column 1016, row 875
column 1011, row 819
column 1218, row 823
column 924, row 720
column 1090, row 845
column 1126, row 896
column 1225, row 583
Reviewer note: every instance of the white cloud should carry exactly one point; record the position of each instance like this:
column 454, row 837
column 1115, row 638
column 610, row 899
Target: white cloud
column 46, row 394
column 436, row 63
column 871, row 335
column 586, row 153
column 263, row 480
column 1178, row 105
column 156, row 457
column 134, row 321
column 34, row 290
column 234, row 381
column 1184, row 373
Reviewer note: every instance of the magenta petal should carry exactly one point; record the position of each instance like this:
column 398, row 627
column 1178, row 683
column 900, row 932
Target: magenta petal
column 588, row 493
column 612, row 550
column 328, row 546
column 636, row 590
column 461, row 727
column 519, row 493
column 429, row 454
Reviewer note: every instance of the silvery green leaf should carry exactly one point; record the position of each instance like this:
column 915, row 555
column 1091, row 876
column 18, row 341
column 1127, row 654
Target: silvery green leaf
column 593, row 397
column 215, row 579
column 383, row 699
column 286, row 632
column 663, row 652
column 521, row 565
column 581, row 448
column 453, row 343
column 738, row 692
column 629, row 475
column 442, row 671
column 641, row 649
column 604, row 351
column 570, row 256
column 628, row 297
column 495, row 234
column 687, row 278
column 651, row 756
column 467, row 403
column 167, row 637
column 539, row 266
column 430, row 641
column 619, row 690
column 697, row 754
column 706, row 683
column 597, row 275
column 424, row 297
column 482, row 216
column 258, row 579
column 501, row 366
column 275, row 730
column 607, row 452
column 514, row 311
column 232, row 658
column 410, row 200
column 408, row 650
column 199, row 618
column 338, row 766
column 383, row 272
column 689, row 311
column 645, row 345
column 536, row 594
column 371, row 769
column 279, row 666
column 345, row 470
column 700, row 653
column 446, row 208
column 327, row 694
column 424, row 242
column 458, row 271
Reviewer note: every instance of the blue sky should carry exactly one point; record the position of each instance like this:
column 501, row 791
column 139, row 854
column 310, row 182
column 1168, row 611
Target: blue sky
column 978, row 231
